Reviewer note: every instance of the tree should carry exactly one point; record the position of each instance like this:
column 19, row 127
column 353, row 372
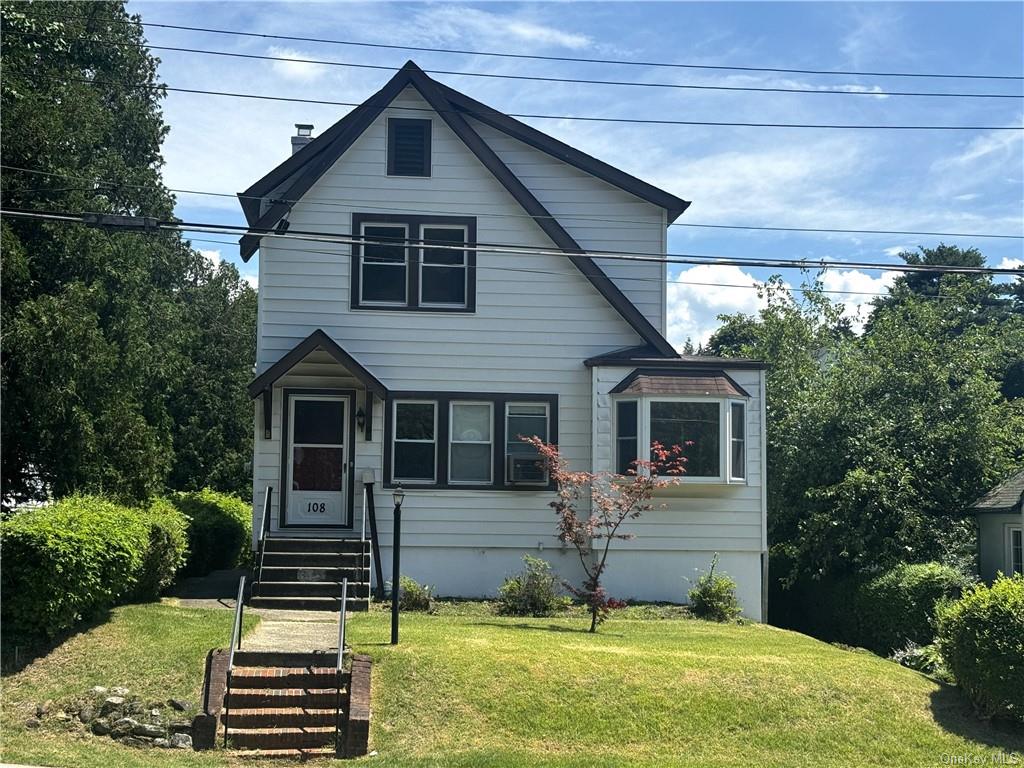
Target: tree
column 613, row 500
column 99, row 330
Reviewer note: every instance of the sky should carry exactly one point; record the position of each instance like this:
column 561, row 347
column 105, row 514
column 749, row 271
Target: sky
column 943, row 181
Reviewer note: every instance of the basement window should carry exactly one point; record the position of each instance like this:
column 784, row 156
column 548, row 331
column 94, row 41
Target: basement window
column 408, row 147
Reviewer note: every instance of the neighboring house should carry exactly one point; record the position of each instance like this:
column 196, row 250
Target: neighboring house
column 1000, row 514
column 418, row 355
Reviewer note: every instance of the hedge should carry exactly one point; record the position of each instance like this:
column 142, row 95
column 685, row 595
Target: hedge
column 219, row 532
column 74, row 559
column 981, row 638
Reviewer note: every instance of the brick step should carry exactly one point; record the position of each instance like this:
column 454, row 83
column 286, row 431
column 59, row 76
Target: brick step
column 309, row 589
column 281, row 573
column 283, row 717
column 297, row 559
column 283, row 677
column 253, row 698
column 282, row 738
column 302, row 755
column 273, row 544
column 326, row 659
column 309, row 603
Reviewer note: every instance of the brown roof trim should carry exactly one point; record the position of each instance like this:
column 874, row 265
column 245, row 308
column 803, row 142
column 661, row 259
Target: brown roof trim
column 411, row 74
column 631, row 357
column 673, row 205
column 662, row 373
column 316, row 340
column 1008, row 496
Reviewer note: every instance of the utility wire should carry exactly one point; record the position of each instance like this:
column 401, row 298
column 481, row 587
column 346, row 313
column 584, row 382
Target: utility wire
column 577, row 59
column 579, row 118
column 348, row 203
column 153, row 224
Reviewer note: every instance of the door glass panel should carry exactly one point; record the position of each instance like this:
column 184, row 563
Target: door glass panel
column 319, row 422
column 316, row 469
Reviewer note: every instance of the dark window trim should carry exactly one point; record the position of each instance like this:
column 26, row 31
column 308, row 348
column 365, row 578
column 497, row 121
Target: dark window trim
column 444, row 400
column 394, row 122
column 412, row 276
column 349, row 437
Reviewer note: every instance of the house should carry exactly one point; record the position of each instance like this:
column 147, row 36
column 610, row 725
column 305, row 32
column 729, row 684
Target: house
column 1000, row 514
column 451, row 304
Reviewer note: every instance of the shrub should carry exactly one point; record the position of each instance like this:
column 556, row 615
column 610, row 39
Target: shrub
column 168, row 548
column 531, row 592
column 923, row 658
column 898, row 606
column 414, row 596
column 981, row 637
column 219, row 531
column 69, row 561
column 714, row 596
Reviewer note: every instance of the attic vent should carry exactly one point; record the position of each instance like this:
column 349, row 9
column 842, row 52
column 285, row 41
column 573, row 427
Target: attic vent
column 408, row 147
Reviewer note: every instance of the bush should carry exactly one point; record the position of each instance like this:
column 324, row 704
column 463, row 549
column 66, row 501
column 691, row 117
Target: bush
column 414, row 596
column 168, row 548
column 923, row 658
column 714, row 596
column 898, row 606
column 531, row 592
column 69, row 561
column 219, row 531
column 981, row 637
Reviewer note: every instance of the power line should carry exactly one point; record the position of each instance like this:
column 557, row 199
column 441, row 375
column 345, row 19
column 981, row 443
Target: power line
column 154, row 224
column 576, row 59
column 578, row 118
column 539, row 78
column 348, row 203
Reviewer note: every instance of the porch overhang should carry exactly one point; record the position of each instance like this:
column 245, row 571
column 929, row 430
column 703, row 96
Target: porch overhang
column 263, row 385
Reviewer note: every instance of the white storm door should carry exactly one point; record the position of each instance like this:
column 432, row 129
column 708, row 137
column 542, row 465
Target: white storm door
column 317, row 460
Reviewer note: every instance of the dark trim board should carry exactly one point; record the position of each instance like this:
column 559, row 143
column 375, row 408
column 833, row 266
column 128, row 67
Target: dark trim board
column 444, row 399
column 413, row 222
column 626, row 359
column 350, row 462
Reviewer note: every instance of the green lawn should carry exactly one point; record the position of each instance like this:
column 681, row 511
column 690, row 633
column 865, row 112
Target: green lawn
column 465, row 688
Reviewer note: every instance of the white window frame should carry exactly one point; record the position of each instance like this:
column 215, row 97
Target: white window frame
column 733, row 478
column 405, row 264
column 509, row 437
column 1010, row 529
column 395, row 439
column 464, row 267
column 724, row 476
column 452, row 405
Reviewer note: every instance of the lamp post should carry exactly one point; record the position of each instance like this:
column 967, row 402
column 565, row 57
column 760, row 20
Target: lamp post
column 396, row 549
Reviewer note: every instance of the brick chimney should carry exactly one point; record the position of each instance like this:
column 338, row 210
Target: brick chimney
column 303, row 135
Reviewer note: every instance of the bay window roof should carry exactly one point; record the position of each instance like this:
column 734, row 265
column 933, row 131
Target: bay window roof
column 694, row 383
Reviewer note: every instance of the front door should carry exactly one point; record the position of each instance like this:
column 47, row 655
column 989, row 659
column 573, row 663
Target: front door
column 317, row 461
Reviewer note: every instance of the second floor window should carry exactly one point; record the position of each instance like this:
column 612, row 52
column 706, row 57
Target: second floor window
column 420, row 263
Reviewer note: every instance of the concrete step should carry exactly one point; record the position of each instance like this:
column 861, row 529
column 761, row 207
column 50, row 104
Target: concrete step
column 321, row 659
column 276, row 698
column 282, row 738
column 283, row 678
column 297, row 559
column 309, row 603
column 308, row 589
column 280, row 544
column 279, row 573
column 282, row 717
column 301, row 755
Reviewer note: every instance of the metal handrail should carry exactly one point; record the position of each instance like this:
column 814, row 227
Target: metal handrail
column 236, row 642
column 264, row 525
column 339, row 663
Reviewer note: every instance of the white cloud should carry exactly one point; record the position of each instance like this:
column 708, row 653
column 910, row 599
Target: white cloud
column 896, row 250
column 294, row 69
column 998, row 143
column 212, row 256
column 1009, row 263
column 698, row 295
column 252, row 279
column 456, row 23
column 855, row 291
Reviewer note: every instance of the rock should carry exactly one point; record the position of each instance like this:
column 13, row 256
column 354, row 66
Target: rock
column 123, row 727
column 111, row 703
column 85, row 714
column 32, row 722
column 180, row 727
column 181, row 741
column 136, row 708
column 131, row 741
column 98, row 690
column 101, row 726
column 179, row 705
column 43, row 709
column 62, row 717
column 148, row 730
column 118, row 691
column 155, row 713
column 163, row 743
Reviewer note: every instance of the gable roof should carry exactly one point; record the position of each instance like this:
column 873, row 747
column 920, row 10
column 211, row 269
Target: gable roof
column 1005, row 497
column 316, row 340
column 289, row 181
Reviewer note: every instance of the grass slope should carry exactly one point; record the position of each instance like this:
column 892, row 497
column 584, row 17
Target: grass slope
column 473, row 689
